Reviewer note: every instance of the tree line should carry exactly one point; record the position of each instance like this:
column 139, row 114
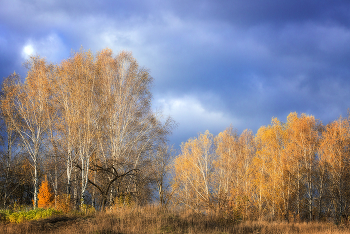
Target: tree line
column 297, row 170
column 87, row 125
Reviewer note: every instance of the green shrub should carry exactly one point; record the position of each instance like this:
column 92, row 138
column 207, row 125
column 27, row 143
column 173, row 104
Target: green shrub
column 13, row 217
column 21, row 216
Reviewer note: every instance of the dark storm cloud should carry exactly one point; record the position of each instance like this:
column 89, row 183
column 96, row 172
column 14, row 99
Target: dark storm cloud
column 275, row 12
column 214, row 62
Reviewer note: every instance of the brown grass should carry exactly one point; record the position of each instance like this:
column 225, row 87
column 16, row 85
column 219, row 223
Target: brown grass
column 154, row 220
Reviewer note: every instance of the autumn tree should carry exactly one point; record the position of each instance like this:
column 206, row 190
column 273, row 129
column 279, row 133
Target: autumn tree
column 67, row 100
column 246, row 153
column 45, row 196
column 131, row 128
column 31, row 102
column 288, row 165
column 53, row 146
column 193, row 181
column 88, row 113
column 96, row 109
column 9, row 136
column 226, row 143
column 233, row 178
column 106, row 119
column 323, row 183
column 335, row 156
column 269, row 166
column 304, row 142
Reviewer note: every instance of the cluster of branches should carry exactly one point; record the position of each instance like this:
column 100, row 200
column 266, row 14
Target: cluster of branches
column 298, row 170
column 87, row 123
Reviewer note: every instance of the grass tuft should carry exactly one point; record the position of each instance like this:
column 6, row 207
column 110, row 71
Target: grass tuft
column 152, row 219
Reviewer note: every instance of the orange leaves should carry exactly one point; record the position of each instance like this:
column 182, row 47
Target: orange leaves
column 7, row 104
column 45, row 196
column 193, row 180
column 273, row 173
column 213, row 172
column 303, row 130
column 268, row 165
column 38, row 76
column 64, row 203
column 335, row 140
column 334, row 157
column 97, row 108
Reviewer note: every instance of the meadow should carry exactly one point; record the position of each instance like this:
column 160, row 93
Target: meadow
column 149, row 219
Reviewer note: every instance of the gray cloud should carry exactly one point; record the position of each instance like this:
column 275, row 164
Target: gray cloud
column 240, row 62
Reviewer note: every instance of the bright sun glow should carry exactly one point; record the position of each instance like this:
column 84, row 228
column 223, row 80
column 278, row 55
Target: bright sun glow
column 28, row 50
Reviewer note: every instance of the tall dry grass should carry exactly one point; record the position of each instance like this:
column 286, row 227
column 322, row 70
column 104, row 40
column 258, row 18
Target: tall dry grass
column 151, row 219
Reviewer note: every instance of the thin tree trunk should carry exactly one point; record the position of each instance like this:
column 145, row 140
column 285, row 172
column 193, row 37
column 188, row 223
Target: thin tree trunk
column 56, row 181
column 35, row 205
column 69, row 173
column 75, row 189
column 84, row 177
column 298, row 196
column 8, row 160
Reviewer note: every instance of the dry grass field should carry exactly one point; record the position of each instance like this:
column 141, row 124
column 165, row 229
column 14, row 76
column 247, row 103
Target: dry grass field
column 153, row 220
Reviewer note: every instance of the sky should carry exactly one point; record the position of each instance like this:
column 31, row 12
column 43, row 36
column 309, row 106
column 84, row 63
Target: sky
column 215, row 63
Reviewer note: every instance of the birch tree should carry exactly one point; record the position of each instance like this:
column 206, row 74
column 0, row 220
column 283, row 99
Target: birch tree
column 194, row 173
column 226, row 165
column 67, row 93
column 32, row 104
column 303, row 145
column 130, row 128
column 105, row 103
column 335, row 153
column 86, row 118
column 8, row 112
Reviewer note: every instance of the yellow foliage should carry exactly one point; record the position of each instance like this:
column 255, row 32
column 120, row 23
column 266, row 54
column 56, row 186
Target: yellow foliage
column 63, row 203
